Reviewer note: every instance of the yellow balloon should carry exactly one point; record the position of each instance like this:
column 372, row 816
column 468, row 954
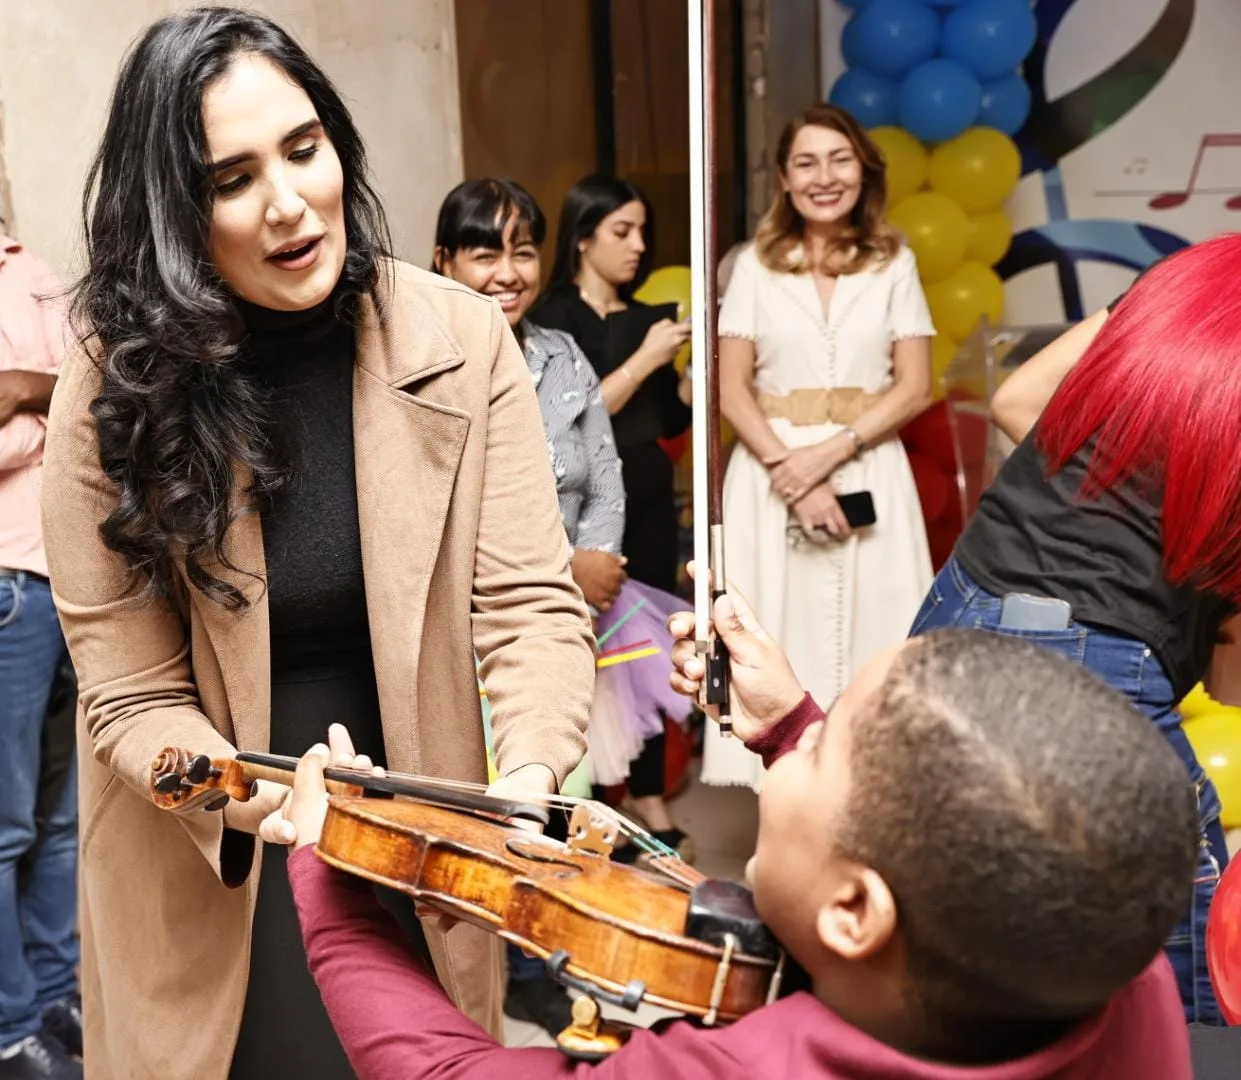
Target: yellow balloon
column 936, row 229
column 669, row 285
column 990, row 237
column 1216, row 739
column 906, row 159
column 978, row 169
column 960, row 300
column 1198, row 703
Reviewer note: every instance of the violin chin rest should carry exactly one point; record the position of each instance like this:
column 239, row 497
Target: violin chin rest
column 718, row 909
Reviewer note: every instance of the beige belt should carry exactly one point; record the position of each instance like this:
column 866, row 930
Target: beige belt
column 803, row 408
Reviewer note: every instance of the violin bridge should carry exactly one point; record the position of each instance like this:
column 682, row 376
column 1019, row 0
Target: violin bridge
column 590, row 833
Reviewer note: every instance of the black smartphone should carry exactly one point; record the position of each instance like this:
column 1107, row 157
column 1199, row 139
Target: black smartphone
column 858, row 508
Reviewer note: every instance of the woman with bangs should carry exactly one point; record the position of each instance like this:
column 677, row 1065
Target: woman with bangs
column 824, row 356
column 1113, row 532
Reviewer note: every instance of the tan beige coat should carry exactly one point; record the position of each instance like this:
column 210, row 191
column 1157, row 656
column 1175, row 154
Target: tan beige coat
column 463, row 550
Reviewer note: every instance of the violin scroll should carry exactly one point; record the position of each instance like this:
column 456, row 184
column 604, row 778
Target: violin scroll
column 184, row 781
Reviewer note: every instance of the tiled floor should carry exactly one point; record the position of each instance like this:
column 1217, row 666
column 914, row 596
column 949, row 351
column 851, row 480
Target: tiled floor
column 723, row 823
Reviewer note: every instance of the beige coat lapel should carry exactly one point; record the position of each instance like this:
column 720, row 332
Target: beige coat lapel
column 240, row 640
column 407, row 450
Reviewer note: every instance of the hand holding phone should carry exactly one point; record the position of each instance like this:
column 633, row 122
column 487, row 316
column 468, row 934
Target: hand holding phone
column 858, row 508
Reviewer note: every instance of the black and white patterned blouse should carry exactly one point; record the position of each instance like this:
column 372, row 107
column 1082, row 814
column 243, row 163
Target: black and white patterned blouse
column 579, row 439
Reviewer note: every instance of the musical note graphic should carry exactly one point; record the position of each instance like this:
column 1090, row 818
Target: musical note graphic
column 1169, row 200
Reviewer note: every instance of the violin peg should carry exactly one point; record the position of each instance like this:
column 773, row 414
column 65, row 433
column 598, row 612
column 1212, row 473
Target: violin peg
column 199, row 770
column 168, row 784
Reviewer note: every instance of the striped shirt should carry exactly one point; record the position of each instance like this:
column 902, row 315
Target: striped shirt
column 579, row 439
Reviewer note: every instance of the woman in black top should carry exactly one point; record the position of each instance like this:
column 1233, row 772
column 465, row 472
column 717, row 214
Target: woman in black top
column 603, row 254
column 1113, row 532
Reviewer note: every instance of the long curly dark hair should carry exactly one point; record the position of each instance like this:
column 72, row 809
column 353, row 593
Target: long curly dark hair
column 176, row 412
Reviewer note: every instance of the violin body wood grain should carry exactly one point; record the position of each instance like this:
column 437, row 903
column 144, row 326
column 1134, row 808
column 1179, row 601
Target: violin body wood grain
column 616, row 922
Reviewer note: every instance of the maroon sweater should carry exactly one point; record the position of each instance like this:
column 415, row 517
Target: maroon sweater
column 396, row 1023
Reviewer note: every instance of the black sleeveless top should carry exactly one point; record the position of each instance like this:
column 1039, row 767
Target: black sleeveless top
column 1036, row 534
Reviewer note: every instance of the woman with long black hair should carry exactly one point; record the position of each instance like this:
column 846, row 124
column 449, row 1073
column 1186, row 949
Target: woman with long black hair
column 603, row 255
column 290, row 482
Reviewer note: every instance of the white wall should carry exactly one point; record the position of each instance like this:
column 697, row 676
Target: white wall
column 393, row 60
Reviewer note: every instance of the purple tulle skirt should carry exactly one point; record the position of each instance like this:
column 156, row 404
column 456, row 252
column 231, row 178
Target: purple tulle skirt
column 633, row 698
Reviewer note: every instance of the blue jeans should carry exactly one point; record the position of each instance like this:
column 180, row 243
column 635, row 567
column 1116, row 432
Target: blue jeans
column 38, row 868
column 1129, row 666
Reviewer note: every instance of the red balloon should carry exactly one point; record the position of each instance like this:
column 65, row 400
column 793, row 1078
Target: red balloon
column 675, row 448
column 931, row 434
column 973, row 431
column 933, row 486
column 1224, row 943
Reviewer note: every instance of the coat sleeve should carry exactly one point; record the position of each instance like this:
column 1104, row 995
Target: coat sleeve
column 531, row 629
column 132, row 657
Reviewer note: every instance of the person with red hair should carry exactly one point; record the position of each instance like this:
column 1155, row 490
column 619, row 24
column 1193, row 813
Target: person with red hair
column 1113, row 532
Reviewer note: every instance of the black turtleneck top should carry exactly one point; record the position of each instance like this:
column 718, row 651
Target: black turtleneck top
column 322, row 670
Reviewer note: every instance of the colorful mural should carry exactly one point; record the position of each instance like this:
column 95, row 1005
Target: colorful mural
column 1058, row 127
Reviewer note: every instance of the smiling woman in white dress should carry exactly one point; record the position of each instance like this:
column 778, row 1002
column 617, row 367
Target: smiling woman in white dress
column 824, row 356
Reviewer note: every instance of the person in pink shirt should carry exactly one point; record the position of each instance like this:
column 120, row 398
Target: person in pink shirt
column 963, row 904
column 38, row 862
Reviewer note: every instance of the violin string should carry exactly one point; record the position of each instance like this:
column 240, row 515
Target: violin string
column 633, row 832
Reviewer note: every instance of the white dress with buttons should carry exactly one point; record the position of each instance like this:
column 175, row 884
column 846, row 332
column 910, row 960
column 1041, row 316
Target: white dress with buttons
column 832, row 607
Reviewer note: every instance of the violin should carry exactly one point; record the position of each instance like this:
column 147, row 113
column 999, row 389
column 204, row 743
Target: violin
column 666, row 935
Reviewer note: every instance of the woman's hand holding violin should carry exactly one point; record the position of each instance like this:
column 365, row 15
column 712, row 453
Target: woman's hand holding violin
column 298, row 820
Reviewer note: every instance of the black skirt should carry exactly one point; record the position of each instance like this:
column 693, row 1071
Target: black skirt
column 285, row 1030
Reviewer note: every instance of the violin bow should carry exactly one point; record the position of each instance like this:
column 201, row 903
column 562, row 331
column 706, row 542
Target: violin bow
column 708, row 481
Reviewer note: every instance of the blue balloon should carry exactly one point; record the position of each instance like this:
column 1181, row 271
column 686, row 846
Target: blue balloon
column 891, row 37
column 1005, row 104
column 849, row 47
column 990, row 37
column 872, row 100
column 939, row 100
column 854, row 5
column 943, row 3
